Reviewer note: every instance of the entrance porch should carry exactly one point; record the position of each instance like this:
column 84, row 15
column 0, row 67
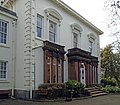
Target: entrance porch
column 82, row 66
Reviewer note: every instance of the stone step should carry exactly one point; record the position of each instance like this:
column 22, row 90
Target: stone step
column 92, row 89
column 95, row 91
column 99, row 94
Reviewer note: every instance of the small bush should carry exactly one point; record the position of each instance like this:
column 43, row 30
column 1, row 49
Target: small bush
column 51, row 90
column 75, row 87
column 106, row 82
column 111, row 89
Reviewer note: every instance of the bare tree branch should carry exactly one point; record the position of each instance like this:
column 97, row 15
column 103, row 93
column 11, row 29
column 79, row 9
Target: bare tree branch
column 113, row 21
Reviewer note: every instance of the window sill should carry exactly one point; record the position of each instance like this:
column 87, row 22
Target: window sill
column 41, row 39
column 4, row 81
column 4, row 45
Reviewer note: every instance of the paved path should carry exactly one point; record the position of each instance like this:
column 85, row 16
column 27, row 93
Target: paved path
column 102, row 100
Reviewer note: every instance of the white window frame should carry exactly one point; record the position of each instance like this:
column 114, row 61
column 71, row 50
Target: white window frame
column 5, row 70
column 90, row 46
column 91, row 41
column 76, row 31
column 40, row 27
column 53, row 16
column 54, row 31
column 3, row 39
column 75, row 40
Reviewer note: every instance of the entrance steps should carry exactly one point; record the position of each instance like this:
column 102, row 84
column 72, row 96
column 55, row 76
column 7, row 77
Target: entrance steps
column 95, row 91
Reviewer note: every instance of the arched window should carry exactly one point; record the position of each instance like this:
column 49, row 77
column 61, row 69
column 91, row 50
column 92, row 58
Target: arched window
column 76, row 33
column 91, row 40
column 53, row 24
column 53, row 14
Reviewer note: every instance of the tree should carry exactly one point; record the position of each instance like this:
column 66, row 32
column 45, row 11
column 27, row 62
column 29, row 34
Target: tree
column 112, row 8
column 110, row 61
column 106, row 54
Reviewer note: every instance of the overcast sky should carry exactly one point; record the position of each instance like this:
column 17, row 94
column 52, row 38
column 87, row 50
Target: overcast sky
column 93, row 11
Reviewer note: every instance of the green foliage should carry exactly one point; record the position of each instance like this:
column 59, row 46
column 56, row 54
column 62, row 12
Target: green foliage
column 75, row 87
column 111, row 89
column 110, row 61
column 105, row 55
column 51, row 90
column 108, row 82
column 51, row 86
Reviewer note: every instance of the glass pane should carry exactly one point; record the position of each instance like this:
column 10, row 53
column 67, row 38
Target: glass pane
column 1, row 38
column 6, row 30
column 5, row 66
column 0, row 29
column 4, row 39
column 75, row 39
column 90, row 46
column 1, row 66
column 82, row 74
column 39, row 32
column 2, row 70
column 39, row 26
column 3, row 32
column 52, row 37
column 39, row 23
column 2, row 24
column 5, row 25
column 52, row 31
column 4, row 76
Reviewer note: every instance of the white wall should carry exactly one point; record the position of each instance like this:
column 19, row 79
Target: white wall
column 6, row 54
column 39, row 66
column 19, row 8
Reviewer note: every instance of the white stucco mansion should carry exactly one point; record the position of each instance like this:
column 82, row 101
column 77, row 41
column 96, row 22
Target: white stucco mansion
column 45, row 41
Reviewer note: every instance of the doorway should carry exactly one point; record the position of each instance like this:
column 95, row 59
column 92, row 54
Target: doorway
column 82, row 74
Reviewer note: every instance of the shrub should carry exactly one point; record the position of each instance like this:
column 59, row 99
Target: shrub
column 111, row 89
column 108, row 82
column 75, row 87
column 52, row 90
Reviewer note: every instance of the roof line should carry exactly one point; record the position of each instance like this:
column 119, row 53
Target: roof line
column 78, row 15
column 68, row 8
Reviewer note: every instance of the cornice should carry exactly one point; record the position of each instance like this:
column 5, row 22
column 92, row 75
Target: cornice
column 77, row 15
column 65, row 7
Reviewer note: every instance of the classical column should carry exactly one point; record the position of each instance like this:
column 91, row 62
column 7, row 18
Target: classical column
column 76, row 71
column 88, row 74
column 96, row 73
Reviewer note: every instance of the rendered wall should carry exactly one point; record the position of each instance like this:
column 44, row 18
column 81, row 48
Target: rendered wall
column 7, row 53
